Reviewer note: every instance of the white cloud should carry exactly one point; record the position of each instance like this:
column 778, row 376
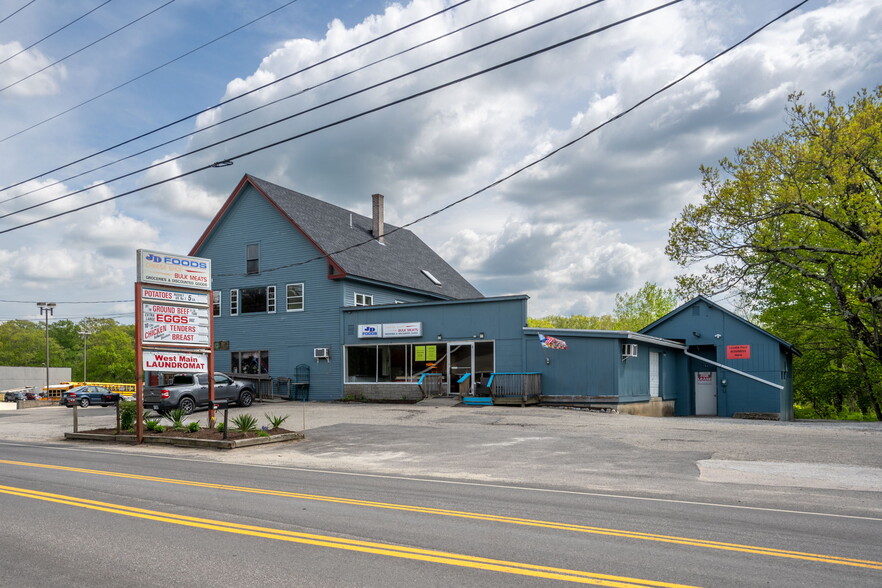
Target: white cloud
column 587, row 223
column 24, row 65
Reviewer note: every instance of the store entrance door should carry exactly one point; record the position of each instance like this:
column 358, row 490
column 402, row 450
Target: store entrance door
column 460, row 369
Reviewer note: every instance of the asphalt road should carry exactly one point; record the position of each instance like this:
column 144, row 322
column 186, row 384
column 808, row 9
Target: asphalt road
column 546, row 494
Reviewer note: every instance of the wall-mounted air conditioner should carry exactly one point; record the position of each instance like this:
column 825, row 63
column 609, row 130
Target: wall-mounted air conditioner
column 321, row 353
column 629, row 350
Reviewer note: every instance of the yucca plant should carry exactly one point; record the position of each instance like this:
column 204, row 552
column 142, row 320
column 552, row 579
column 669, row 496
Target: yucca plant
column 245, row 423
column 177, row 417
column 276, row 420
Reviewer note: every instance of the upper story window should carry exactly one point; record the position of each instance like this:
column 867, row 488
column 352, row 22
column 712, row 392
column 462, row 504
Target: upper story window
column 294, row 297
column 271, row 299
column 252, row 258
column 363, row 299
column 246, row 300
column 216, row 302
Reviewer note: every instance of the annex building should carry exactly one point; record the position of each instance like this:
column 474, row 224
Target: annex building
column 364, row 309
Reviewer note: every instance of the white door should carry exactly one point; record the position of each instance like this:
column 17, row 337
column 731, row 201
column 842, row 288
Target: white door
column 706, row 393
column 653, row 374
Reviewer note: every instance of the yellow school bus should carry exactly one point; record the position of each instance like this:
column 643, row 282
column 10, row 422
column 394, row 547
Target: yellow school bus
column 55, row 390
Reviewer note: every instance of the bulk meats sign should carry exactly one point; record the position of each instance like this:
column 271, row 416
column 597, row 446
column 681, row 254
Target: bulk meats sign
column 169, row 269
column 188, row 363
column 179, row 325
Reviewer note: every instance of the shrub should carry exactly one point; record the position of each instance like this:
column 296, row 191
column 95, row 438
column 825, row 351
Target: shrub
column 193, row 427
column 220, row 427
column 152, row 425
column 159, row 429
column 276, row 421
column 245, row 423
column 127, row 413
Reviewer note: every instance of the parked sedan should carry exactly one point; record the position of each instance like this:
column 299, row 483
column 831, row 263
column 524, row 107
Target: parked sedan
column 86, row 395
column 13, row 396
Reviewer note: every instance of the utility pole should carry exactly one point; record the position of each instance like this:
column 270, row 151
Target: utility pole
column 85, row 334
column 46, row 309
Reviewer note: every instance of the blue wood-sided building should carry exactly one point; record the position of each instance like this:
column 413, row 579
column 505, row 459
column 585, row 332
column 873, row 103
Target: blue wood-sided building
column 373, row 312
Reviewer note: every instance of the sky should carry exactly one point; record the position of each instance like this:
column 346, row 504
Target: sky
column 572, row 231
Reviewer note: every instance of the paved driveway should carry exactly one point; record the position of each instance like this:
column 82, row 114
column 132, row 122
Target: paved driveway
column 688, row 458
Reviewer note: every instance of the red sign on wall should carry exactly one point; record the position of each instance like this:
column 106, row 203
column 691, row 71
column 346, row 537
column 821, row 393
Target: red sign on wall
column 737, row 351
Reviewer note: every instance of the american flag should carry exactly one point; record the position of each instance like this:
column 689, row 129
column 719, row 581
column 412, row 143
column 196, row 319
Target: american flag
column 551, row 342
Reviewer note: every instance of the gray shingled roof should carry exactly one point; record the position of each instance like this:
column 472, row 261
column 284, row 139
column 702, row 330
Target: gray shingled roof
column 398, row 262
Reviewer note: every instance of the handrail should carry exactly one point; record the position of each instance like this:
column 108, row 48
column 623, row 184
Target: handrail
column 465, row 377
column 494, row 374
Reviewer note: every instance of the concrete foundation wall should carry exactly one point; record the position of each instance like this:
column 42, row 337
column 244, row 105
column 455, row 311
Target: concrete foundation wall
column 397, row 392
column 19, row 377
column 656, row 407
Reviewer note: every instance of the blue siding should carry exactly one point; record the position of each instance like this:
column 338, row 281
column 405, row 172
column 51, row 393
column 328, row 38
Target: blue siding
column 381, row 294
column 713, row 329
column 290, row 337
column 500, row 319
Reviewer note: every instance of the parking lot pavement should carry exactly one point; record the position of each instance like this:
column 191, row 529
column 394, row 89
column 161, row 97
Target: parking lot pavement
column 578, row 449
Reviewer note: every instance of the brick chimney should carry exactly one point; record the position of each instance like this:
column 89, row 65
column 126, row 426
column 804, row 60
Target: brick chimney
column 378, row 217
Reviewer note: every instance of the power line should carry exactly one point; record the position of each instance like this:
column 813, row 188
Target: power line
column 270, row 103
column 355, row 93
column 234, row 98
column 5, row 18
column 338, row 122
column 554, row 151
column 34, row 44
column 81, row 49
column 145, row 74
column 69, row 301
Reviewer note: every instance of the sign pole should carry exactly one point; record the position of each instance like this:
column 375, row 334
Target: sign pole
column 139, row 368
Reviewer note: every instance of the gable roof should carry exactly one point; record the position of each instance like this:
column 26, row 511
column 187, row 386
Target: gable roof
column 680, row 309
column 346, row 240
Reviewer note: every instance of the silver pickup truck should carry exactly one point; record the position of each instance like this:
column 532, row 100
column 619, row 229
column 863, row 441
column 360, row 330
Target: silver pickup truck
column 190, row 391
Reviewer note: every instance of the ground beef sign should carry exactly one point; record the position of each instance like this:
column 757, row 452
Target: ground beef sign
column 166, row 323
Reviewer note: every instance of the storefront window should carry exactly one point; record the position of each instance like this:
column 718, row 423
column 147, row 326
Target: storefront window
column 361, row 364
column 249, row 362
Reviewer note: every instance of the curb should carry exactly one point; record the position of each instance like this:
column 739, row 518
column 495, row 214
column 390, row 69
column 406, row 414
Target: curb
column 185, row 442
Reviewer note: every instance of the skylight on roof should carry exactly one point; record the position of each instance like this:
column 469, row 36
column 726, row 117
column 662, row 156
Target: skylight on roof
column 429, row 275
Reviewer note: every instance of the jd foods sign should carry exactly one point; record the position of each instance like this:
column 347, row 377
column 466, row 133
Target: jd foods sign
column 169, row 269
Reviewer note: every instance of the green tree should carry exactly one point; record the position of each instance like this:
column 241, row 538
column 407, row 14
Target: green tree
column 650, row 302
column 797, row 217
column 633, row 312
column 577, row 321
column 23, row 343
column 111, row 353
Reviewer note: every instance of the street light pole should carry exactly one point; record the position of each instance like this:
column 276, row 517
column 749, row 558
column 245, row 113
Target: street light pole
column 85, row 334
column 46, row 309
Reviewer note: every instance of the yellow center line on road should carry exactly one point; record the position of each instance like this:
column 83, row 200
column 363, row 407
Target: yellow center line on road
column 752, row 549
column 399, row 551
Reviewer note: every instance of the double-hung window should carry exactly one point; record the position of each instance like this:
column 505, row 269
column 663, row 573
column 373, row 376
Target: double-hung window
column 216, row 302
column 252, row 258
column 294, row 297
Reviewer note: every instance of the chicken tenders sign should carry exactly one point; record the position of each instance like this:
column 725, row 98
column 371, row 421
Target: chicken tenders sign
column 168, row 323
